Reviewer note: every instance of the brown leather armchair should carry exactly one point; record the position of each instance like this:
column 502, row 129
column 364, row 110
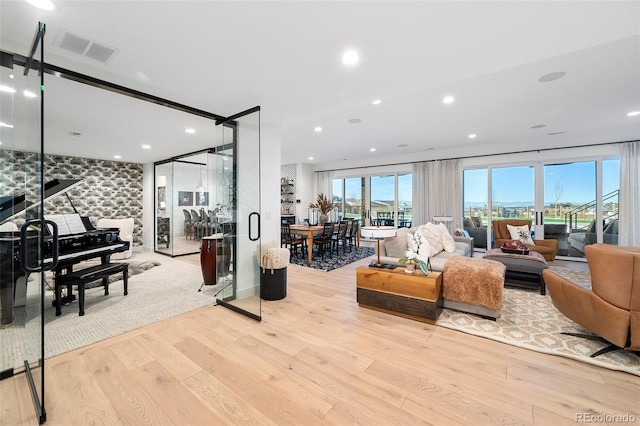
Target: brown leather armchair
column 547, row 248
column 611, row 308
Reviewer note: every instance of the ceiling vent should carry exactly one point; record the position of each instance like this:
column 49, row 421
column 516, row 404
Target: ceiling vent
column 84, row 46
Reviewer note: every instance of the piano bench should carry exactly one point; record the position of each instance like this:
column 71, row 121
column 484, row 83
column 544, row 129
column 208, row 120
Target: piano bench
column 84, row 276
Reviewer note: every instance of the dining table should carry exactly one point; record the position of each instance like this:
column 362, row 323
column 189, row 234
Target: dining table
column 309, row 231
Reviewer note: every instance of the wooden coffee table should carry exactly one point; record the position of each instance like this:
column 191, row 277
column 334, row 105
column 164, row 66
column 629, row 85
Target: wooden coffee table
column 395, row 292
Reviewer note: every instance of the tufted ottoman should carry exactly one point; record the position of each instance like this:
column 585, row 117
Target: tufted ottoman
column 473, row 285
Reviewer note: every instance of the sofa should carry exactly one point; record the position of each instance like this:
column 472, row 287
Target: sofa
column 126, row 233
column 393, row 248
column 581, row 237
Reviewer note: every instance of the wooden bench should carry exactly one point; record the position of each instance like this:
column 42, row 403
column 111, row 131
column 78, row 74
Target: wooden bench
column 84, row 276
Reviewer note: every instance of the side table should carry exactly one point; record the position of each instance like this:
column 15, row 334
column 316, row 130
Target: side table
column 414, row 296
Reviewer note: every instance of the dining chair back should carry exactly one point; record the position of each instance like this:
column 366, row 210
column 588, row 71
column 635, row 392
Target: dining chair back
column 324, row 240
column 339, row 238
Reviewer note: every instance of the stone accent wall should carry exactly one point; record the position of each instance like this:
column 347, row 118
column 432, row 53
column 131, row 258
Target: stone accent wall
column 110, row 189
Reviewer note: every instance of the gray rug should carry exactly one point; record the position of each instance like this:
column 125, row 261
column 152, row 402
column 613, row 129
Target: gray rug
column 168, row 288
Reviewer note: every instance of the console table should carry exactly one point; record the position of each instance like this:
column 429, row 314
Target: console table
column 395, row 292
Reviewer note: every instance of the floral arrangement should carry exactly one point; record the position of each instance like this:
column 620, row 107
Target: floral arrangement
column 418, row 252
column 323, row 203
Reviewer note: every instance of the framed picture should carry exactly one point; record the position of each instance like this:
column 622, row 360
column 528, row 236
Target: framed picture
column 202, row 198
column 185, row 198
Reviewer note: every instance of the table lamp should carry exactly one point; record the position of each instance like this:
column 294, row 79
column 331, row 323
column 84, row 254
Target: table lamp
column 378, row 232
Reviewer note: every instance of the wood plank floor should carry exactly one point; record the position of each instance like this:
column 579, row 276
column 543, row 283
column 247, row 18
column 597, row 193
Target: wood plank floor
column 316, row 358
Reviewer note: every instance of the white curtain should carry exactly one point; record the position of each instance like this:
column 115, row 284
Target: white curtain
column 324, row 184
column 437, row 191
column 629, row 222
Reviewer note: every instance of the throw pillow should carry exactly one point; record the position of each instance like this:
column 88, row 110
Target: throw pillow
column 521, row 233
column 432, row 235
column 396, row 246
column 448, row 243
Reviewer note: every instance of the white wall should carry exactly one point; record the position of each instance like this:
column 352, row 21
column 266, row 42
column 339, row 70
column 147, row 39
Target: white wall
column 270, row 142
column 304, row 189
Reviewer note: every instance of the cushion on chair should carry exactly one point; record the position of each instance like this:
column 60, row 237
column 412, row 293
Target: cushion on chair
column 520, row 233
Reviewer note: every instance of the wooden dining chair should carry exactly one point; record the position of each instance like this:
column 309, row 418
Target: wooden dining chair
column 324, row 240
column 291, row 241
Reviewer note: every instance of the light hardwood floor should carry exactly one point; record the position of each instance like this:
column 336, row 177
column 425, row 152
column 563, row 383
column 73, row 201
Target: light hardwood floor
column 316, row 358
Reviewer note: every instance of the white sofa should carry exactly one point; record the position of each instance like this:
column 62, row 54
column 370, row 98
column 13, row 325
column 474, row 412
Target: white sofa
column 126, row 233
column 393, row 248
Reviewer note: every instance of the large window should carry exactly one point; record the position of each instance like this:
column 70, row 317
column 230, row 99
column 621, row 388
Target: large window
column 375, row 200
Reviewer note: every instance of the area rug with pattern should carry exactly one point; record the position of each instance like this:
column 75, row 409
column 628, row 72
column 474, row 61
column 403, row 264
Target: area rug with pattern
column 335, row 261
column 529, row 320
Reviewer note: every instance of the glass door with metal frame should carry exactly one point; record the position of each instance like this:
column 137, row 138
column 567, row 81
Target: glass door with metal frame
column 240, row 188
column 22, row 193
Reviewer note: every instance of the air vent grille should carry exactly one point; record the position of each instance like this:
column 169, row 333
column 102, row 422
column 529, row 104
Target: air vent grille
column 85, row 47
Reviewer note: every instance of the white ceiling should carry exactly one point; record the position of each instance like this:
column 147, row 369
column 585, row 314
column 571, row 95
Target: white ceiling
column 225, row 57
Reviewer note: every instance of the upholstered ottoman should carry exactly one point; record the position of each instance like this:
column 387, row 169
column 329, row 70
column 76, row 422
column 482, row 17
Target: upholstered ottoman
column 473, row 285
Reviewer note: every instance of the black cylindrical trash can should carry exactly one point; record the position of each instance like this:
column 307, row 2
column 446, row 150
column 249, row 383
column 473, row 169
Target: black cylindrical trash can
column 273, row 284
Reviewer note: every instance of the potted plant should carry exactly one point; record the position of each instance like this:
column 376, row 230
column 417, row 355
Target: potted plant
column 324, row 205
column 417, row 254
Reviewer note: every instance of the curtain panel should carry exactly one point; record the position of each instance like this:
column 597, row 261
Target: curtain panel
column 629, row 221
column 324, row 184
column 437, row 191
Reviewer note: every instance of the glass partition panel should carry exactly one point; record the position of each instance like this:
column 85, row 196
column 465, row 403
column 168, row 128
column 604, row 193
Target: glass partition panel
column 383, row 200
column 21, row 193
column 475, row 215
column 405, row 200
column 240, row 195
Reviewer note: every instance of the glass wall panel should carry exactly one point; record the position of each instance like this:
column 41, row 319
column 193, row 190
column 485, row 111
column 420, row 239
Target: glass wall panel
column 570, row 206
column 610, row 200
column 405, row 200
column 383, row 200
column 512, row 193
column 354, row 198
column 475, row 202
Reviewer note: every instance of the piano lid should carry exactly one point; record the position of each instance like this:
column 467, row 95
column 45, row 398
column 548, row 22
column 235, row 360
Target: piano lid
column 12, row 206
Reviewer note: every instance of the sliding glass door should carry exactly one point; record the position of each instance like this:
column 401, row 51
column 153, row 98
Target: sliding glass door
column 575, row 203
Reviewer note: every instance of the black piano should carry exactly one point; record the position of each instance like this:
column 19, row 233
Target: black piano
column 70, row 249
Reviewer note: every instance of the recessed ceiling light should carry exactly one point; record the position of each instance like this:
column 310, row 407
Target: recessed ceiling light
column 117, row 157
column 472, row 136
column 538, row 126
column 448, row 99
column 354, row 120
column 317, row 129
column 350, row 57
column 555, row 133
column 7, row 89
column 372, row 150
column 633, row 113
column 403, row 145
column 377, row 102
column 310, row 158
column 42, row 4
column 190, row 130
column 28, row 94
column 552, row 76
column 6, row 125
column 146, row 146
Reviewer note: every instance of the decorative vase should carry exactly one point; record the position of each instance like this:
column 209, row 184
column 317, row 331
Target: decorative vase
column 322, row 219
column 409, row 267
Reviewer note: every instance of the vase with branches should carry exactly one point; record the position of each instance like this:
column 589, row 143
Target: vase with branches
column 324, row 205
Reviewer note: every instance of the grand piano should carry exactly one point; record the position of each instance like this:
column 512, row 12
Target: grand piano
column 19, row 250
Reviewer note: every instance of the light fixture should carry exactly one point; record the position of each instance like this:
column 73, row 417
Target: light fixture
column 350, row 57
column 6, row 125
column 117, row 157
column 42, row 4
column 403, row 145
column 633, row 113
column 448, row 99
column 146, row 146
column 538, row 126
column 317, row 129
column 310, row 158
column 7, row 89
column 377, row 102
column 372, row 150
column 190, row 130
column 472, row 136
column 28, row 94
column 355, row 120
column 378, row 233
